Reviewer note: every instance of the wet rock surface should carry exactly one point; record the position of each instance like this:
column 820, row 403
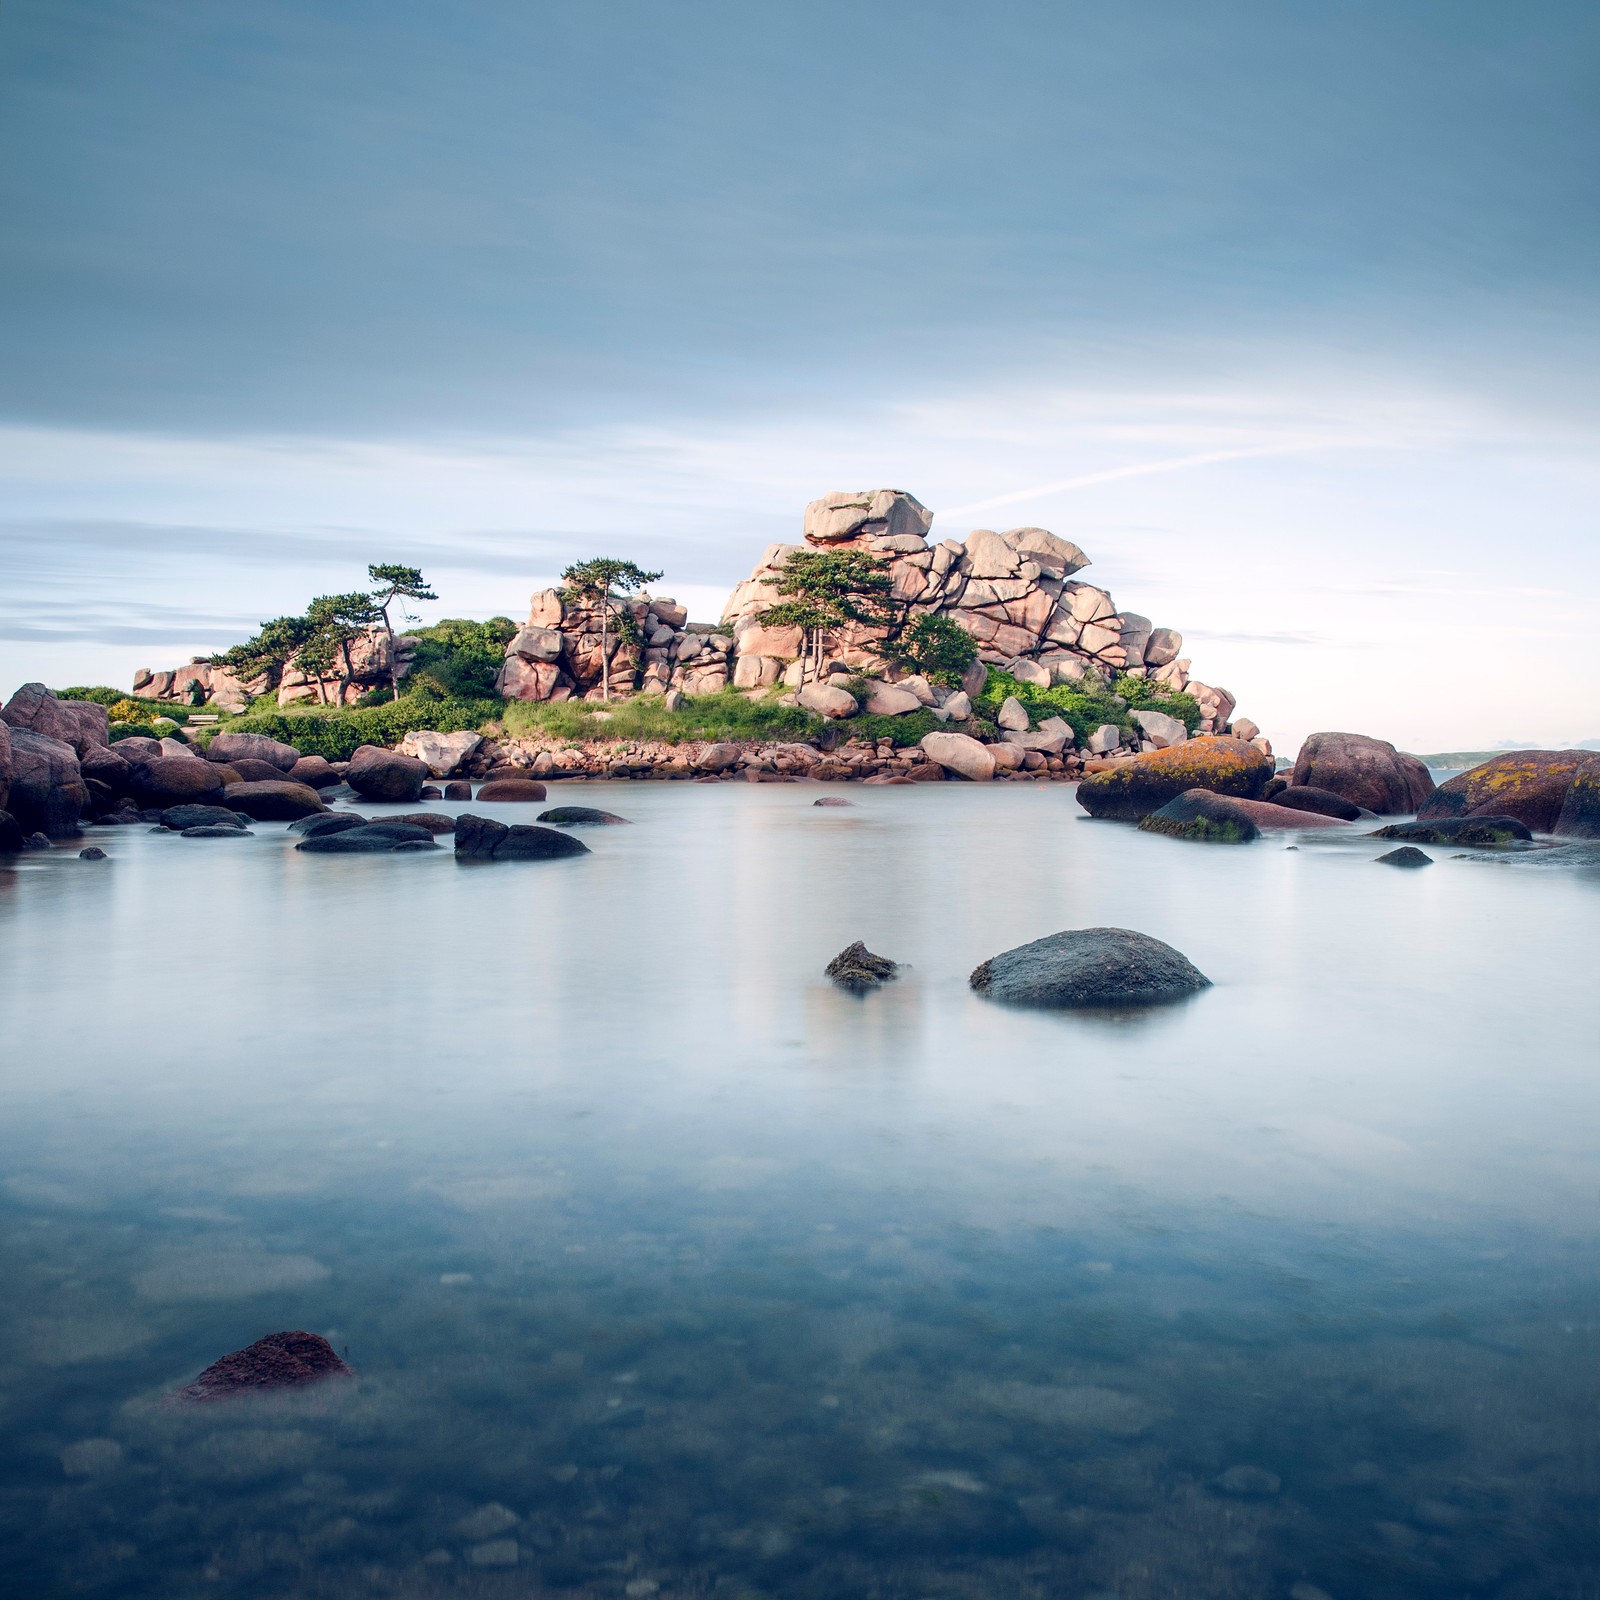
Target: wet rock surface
column 384, row 775
column 1406, row 856
column 484, row 839
column 581, row 817
column 369, row 838
column 177, row 818
column 511, row 790
column 290, row 1360
column 279, row 801
column 1320, row 802
column 1204, row 818
column 857, row 969
column 1090, row 967
column 1480, row 832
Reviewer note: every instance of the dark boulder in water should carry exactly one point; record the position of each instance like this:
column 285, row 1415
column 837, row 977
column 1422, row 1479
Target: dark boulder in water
column 434, row 821
column 280, row 1361
column 93, row 853
column 458, row 791
column 176, row 818
column 215, row 830
column 484, row 839
column 1406, row 856
column 857, row 969
column 1481, row 832
column 328, row 822
column 273, row 800
column 834, row 800
column 1320, row 802
column 1090, row 967
column 13, row 841
column 369, row 838
column 1202, row 816
column 581, row 817
column 1133, row 789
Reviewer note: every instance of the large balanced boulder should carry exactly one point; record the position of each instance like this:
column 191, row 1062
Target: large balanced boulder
column 232, row 747
column 383, row 775
column 1369, row 773
column 279, row 801
column 1580, row 811
column 173, row 780
column 961, row 754
column 1134, row 788
column 484, row 839
column 1530, row 785
column 1090, row 967
column 48, row 793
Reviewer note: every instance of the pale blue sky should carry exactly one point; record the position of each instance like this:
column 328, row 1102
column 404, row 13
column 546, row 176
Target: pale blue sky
column 290, row 287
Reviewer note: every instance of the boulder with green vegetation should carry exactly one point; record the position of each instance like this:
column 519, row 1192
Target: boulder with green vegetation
column 1203, row 817
column 1473, row 832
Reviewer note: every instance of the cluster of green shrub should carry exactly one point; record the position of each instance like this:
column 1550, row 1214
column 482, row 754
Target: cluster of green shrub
column 457, row 659
column 724, row 715
column 1089, row 704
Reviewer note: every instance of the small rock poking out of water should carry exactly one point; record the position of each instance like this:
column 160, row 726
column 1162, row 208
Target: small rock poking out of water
column 280, row 1361
column 214, row 830
column 1094, row 967
column 857, row 969
column 93, row 853
column 1406, row 856
column 832, row 800
column 581, row 817
column 390, row 837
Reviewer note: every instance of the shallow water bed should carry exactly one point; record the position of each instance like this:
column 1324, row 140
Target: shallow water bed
column 669, row 1269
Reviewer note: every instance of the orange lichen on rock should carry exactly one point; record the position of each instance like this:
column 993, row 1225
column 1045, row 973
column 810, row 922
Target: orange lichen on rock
column 1530, row 785
column 1218, row 762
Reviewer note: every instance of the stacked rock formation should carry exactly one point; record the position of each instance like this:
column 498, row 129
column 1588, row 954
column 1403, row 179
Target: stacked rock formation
column 201, row 683
column 1015, row 592
column 651, row 645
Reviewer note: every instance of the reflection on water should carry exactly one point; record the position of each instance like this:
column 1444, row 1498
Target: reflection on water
column 670, row 1270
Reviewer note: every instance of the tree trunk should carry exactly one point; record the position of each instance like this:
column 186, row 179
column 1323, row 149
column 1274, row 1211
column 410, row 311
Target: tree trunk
column 605, row 662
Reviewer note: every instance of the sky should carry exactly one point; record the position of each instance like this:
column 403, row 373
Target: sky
column 1289, row 314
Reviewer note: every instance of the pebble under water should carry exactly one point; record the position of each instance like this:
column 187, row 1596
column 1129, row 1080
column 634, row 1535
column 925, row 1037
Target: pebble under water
column 667, row 1268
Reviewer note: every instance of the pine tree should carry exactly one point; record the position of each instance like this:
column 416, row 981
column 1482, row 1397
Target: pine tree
column 830, row 588
column 599, row 582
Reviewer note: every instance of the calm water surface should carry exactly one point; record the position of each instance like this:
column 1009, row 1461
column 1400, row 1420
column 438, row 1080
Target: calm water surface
column 668, row 1270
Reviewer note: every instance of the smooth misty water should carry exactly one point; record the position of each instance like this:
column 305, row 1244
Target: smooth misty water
column 725, row 1283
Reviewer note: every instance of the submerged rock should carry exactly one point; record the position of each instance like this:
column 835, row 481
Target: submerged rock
column 833, row 800
column 856, row 968
column 1477, row 831
column 1369, row 773
column 328, row 822
column 93, row 853
column 215, row 830
column 177, row 818
column 581, row 817
column 1134, row 788
column 1406, row 856
column 1090, row 967
column 369, row 837
column 280, row 1361
column 1204, row 817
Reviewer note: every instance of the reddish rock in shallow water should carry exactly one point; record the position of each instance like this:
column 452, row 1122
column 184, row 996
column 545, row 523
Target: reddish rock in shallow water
column 280, row 1361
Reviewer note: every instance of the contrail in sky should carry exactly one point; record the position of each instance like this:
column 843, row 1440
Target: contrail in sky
column 1143, row 470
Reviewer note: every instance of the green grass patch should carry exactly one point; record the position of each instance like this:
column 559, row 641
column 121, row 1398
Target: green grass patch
column 336, row 731
column 1088, row 708
column 725, row 715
